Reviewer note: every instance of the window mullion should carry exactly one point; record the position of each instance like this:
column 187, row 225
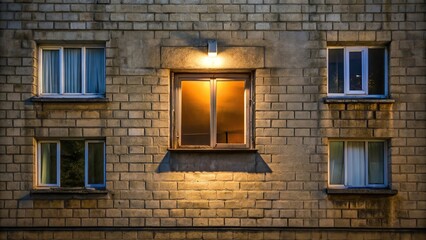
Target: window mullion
column 345, row 163
column 83, row 70
column 364, row 61
column 86, row 163
column 62, row 71
column 366, row 161
column 58, row 164
column 346, row 82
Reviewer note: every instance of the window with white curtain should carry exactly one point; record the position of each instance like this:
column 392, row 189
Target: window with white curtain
column 357, row 164
column 71, row 163
column 72, row 71
column 357, row 72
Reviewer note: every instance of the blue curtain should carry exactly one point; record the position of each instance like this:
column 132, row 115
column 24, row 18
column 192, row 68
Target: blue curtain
column 72, row 58
column 95, row 70
column 50, row 65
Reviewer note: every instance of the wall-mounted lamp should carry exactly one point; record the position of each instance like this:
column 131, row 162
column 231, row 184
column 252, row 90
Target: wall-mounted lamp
column 212, row 48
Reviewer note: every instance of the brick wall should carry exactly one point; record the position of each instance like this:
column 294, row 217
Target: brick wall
column 291, row 128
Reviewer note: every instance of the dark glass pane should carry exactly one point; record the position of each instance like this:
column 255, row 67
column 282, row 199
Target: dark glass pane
column 72, row 163
column 337, row 173
column 355, row 71
column 72, row 65
column 376, row 71
column 335, row 71
column 195, row 113
column 48, row 173
column 230, row 111
column 376, row 162
column 95, row 163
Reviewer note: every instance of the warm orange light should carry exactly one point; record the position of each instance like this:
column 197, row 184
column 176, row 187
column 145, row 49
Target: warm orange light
column 211, row 62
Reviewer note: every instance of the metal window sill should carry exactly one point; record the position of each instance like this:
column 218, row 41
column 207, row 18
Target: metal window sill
column 333, row 100
column 70, row 99
column 69, row 193
column 361, row 191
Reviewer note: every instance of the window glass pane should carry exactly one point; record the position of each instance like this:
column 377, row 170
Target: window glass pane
column 335, row 71
column 72, row 61
column 95, row 163
column 72, row 163
column 50, row 71
column 376, row 71
column 48, row 168
column 355, row 71
column 195, row 113
column 230, row 111
column 95, row 70
column 376, row 162
column 337, row 164
column 355, row 164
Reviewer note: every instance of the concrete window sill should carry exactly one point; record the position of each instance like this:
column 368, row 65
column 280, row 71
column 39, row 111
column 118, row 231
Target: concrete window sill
column 361, row 191
column 213, row 160
column 334, row 100
column 69, row 193
column 70, row 100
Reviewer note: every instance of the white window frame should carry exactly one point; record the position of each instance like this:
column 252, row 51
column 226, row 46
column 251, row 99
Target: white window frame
column 62, row 93
column 213, row 78
column 345, row 155
column 346, row 82
column 58, row 163
column 86, row 164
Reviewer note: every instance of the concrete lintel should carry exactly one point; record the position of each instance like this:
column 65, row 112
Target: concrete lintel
column 227, row 58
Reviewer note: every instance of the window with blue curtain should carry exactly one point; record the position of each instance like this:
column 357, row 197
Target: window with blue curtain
column 72, row 71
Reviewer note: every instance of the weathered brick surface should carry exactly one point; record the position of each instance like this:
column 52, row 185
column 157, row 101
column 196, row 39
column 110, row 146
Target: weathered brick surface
column 292, row 123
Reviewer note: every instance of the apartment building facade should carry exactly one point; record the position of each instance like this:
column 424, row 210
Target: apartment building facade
column 213, row 119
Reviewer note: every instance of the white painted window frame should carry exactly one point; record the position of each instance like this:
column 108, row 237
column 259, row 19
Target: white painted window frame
column 62, row 93
column 366, row 185
column 346, row 82
column 58, row 164
column 212, row 78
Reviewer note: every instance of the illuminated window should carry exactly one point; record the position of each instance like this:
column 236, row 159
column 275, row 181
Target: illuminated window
column 212, row 111
column 72, row 71
column 355, row 164
column 71, row 163
column 357, row 71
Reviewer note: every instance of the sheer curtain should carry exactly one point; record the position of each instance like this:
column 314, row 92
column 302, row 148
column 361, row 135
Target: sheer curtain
column 48, row 163
column 95, row 70
column 336, row 163
column 375, row 163
column 50, row 71
column 72, row 61
column 356, row 164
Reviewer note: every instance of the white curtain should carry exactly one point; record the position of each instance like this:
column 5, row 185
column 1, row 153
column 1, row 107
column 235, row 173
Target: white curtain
column 355, row 164
column 50, row 71
column 95, row 70
column 48, row 163
column 375, row 163
column 336, row 163
column 72, row 61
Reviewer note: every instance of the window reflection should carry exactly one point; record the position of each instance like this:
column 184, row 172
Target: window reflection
column 72, row 163
column 376, row 71
column 335, row 71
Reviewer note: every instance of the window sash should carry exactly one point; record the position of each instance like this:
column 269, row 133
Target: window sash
column 212, row 78
column 87, row 167
column 363, row 166
column 40, row 164
column 62, row 78
column 58, row 164
column 346, row 69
